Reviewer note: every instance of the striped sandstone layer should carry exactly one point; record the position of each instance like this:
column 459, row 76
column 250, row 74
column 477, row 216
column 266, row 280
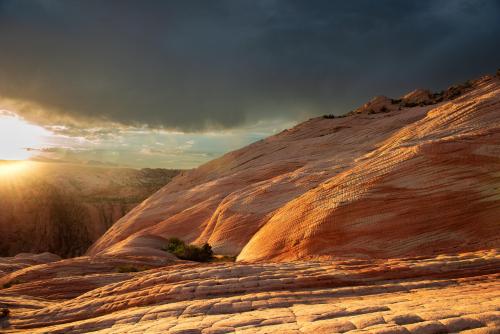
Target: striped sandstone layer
column 396, row 180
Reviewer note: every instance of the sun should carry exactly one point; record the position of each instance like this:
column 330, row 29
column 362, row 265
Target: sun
column 12, row 169
column 17, row 137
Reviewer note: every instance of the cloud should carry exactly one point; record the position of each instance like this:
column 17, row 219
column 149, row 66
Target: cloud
column 195, row 65
column 123, row 145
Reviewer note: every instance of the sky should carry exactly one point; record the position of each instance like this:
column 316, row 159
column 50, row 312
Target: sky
column 177, row 83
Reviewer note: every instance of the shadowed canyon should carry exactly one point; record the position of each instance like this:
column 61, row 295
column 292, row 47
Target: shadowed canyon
column 63, row 208
column 383, row 220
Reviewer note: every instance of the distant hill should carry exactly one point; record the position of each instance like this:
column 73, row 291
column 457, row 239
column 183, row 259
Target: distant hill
column 62, row 208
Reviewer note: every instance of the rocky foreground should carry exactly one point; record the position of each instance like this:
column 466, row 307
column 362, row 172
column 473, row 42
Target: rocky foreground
column 444, row 294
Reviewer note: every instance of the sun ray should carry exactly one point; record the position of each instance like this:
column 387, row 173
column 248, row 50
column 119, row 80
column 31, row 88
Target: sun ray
column 17, row 137
column 13, row 169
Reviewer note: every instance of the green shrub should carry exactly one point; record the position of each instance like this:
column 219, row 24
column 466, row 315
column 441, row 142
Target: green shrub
column 410, row 104
column 189, row 252
column 454, row 92
column 438, row 97
column 174, row 245
column 4, row 313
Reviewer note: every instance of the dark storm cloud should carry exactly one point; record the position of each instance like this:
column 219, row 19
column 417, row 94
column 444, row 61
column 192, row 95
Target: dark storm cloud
column 193, row 65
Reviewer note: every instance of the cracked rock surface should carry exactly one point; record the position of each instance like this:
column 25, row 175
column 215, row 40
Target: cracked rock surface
column 444, row 294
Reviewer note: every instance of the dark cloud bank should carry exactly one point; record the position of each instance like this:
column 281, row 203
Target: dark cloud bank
column 192, row 65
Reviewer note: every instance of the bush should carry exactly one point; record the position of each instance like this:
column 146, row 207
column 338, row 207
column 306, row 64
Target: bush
column 410, row 104
column 4, row 313
column 174, row 245
column 454, row 92
column 330, row 116
column 189, row 252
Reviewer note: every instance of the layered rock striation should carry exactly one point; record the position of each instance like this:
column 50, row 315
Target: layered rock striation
column 444, row 294
column 413, row 176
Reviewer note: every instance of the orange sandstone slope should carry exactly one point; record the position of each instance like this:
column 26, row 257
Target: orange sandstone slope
column 394, row 178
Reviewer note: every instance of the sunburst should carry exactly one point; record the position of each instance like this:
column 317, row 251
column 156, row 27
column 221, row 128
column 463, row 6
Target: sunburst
column 13, row 169
column 18, row 136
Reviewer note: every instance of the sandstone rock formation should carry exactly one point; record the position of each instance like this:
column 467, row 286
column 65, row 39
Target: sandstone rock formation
column 377, row 105
column 401, row 181
column 23, row 260
column 444, row 294
column 382, row 221
column 63, row 208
